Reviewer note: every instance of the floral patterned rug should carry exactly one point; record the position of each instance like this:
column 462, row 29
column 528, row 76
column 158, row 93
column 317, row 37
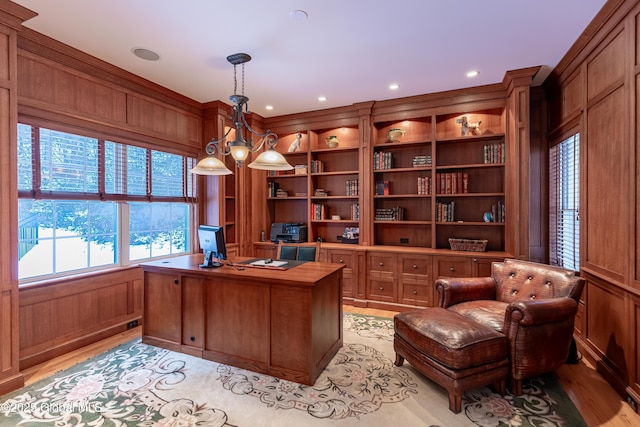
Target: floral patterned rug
column 140, row 385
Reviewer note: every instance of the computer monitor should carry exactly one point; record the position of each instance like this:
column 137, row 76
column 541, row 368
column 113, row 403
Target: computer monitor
column 212, row 243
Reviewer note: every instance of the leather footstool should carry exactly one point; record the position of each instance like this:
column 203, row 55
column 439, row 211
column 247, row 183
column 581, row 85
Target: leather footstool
column 451, row 350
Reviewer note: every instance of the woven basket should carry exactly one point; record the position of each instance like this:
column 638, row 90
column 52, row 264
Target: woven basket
column 469, row 245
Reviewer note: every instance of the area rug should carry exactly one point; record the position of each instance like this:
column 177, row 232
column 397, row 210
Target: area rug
column 140, row 385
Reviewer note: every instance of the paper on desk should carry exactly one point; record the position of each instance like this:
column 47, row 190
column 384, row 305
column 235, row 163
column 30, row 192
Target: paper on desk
column 274, row 263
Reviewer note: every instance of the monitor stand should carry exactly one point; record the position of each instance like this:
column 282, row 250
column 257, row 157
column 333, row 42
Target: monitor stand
column 209, row 262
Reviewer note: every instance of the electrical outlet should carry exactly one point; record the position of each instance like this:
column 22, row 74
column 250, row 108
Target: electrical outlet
column 132, row 324
column 404, row 240
column 632, row 403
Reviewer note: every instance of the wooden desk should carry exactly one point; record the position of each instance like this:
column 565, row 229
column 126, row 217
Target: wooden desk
column 287, row 324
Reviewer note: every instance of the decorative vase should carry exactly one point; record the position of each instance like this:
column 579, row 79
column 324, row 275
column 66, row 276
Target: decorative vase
column 394, row 134
column 332, row 141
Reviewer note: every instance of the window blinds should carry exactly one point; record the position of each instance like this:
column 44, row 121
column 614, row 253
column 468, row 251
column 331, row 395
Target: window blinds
column 564, row 203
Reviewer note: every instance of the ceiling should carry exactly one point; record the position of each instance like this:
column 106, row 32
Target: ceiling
column 346, row 50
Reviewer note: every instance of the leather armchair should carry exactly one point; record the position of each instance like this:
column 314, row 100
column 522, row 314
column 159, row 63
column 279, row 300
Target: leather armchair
column 533, row 305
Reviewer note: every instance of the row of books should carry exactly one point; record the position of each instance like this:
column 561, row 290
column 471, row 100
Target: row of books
column 383, row 188
column 272, row 188
column 421, row 161
column 494, row 153
column 382, row 160
column 318, row 211
column 424, row 185
column 445, row 212
column 452, row 183
column 355, row 212
column 498, row 212
column 390, row 214
column 317, row 166
column 353, row 187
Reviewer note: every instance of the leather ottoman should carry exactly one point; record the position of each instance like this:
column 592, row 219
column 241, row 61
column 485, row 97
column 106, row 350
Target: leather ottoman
column 451, row 350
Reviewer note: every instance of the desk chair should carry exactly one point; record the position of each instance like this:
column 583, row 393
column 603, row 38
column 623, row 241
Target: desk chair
column 310, row 252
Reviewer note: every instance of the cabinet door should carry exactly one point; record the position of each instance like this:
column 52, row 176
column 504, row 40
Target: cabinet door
column 415, row 280
column 162, row 307
column 452, row 266
column 482, row 266
column 347, row 259
column 192, row 312
column 382, row 270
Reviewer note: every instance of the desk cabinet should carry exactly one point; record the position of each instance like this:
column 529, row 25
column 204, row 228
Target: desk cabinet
column 284, row 323
column 163, row 308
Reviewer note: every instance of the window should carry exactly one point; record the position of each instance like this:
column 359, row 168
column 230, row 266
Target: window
column 564, row 203
column 86, row 203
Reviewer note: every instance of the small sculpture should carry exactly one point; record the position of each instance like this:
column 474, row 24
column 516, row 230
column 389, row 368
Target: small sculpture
column 395, row 134
column 332, row 141
column 467, row 128
column 295, row 145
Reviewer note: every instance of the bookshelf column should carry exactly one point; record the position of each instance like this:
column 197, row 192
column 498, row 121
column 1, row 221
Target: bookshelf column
column 11, row 18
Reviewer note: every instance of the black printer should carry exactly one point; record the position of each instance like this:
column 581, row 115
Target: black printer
column 290, row 232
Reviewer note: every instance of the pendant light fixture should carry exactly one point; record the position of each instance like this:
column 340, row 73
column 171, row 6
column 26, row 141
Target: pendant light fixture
column 240, row 148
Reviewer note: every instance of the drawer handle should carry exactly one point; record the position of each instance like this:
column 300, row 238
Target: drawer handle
column 475, row 260
column 382, row 288
column 341, row 262
column 452, row 269
column 415, row 292
column 381, row 264
column 192, row 338
column 415, row 266
column 176, row 282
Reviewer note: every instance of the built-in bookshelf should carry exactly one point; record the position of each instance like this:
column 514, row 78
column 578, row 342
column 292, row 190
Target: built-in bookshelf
column 438, row 181
column 430, row 179
column 334, row 182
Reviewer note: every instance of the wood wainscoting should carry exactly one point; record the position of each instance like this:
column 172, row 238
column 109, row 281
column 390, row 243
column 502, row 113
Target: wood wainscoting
column 60, row 316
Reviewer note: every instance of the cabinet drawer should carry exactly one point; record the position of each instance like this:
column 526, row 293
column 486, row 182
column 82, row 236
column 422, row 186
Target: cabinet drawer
column 381, row 290
column 416, row 265
column 453, row 267
column 381, row 263
column 341, row 257
column 416, row 295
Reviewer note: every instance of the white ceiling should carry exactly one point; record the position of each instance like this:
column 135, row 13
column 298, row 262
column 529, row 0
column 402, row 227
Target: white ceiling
column 347, row 50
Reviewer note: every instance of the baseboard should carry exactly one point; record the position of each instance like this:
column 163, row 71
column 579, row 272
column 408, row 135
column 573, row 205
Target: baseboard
column 74, row 344
column 12, row 383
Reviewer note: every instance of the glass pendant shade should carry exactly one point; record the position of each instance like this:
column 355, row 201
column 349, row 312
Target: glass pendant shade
column 211, row 166
column 239, row 152
column 270, row 160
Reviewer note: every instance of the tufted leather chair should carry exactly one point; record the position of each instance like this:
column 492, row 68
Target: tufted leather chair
column 533, row 305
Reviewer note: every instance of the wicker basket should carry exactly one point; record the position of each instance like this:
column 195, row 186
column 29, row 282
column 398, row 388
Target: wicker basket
column 469, row 245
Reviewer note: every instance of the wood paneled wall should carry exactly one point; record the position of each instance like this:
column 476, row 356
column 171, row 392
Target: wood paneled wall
column 60, row 316
column 11, row 18
column 595, row 90
column 63, row 86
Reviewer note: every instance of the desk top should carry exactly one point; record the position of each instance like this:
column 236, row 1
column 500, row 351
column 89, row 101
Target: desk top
column 305, row 273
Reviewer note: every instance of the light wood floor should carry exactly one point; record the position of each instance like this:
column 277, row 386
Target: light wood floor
column 598, row 403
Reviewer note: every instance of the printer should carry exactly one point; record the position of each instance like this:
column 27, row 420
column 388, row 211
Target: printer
column 289, row 232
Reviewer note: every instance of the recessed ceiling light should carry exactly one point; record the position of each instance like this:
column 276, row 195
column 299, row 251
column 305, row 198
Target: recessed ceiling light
column 322, row 98
column 146, row 54
column 269, row 107
column 473, row 73
column 298, row 15
column 394, row 86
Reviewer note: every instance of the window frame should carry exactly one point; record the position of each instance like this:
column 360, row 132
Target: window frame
column 564, row 197
column 188, row 197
